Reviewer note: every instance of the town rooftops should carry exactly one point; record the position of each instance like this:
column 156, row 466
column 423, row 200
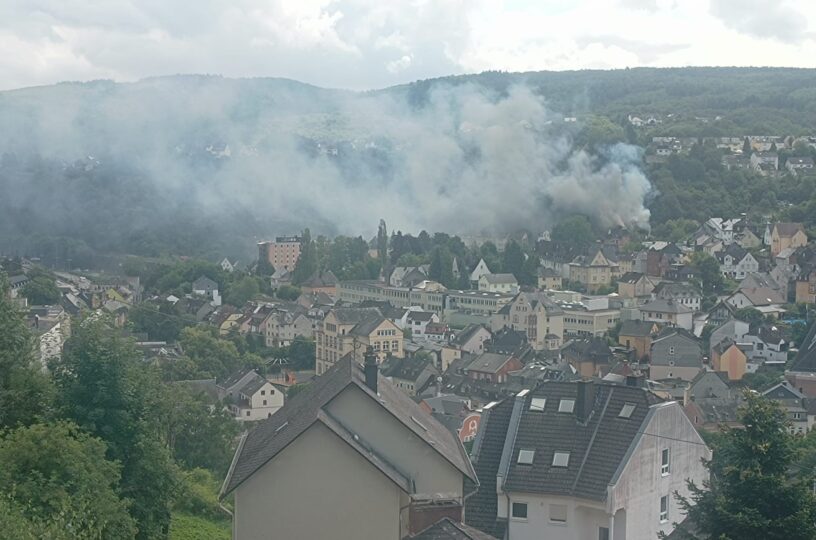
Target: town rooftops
column 761, row 296
column 539, row 447
column 306, row 408
column 488, row 362
column 464, row 336
column 800, row 161
column 321, row 278
column 666, row 289
column 661, row 305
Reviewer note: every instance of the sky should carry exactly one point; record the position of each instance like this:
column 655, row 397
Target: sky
column 364, row 44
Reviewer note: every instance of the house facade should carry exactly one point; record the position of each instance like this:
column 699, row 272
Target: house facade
column 350, row 331
column 675, row 355
column 498, row 283
column 787, row 235
column 569, row 461
column 535, row 314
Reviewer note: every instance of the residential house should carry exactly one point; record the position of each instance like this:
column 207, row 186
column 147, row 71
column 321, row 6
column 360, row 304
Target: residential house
column 736, row 262
column 591, row 357
column 592, row 270
column 765, row 346
column 668, row 312
column 477, row 273
column 798, row 165
column 583, row 460
column 492, row 367
column 350, row 330
column 795, row 404
column 661, row 257
column 470, row 340
column 675, row 354
column 412, row 374
column 710, row 402
column 637, row 335
column 282, row 326
column 766, row 300
column 322, row 281
column 228, row 266
column 720, row 313
column 787, row 235
column 635, row 285
column 549, row 279
column 535, row 314
column 592, row 316
column 437, row 332
column 680, row 292
column 806, row 286
column 281, row 277
column 802, row 373
column 204, row 286
column 727, row 356
column 249, row 396
column 769, row 159
column 349, row 457
column 747, row 239
column 455, row 413
column 417, row 321
column 408, row 276
column 731, row 330
column 499, row 283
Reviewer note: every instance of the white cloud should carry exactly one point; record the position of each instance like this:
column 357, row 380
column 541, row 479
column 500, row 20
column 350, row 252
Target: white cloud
column 368, row 43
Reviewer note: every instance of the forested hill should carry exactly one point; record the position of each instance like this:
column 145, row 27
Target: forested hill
column 749, row 100
column 206, row 165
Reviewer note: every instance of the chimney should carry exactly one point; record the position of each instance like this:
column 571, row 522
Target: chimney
column 634, row 381
column 370, row 369
column 584, row 400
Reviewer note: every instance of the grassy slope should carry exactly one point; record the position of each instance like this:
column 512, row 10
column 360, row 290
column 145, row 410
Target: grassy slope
column 187, row 527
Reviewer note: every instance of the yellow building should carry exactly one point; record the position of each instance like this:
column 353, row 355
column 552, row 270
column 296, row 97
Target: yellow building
column 352, row 330
column 729, row 358
column 787, row 235
column 593, row 270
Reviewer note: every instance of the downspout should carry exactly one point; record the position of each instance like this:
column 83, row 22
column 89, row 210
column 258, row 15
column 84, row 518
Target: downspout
column 611, row 526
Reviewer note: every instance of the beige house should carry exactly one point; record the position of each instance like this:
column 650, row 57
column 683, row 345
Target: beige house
column 351, row 330
column 593, row 270
column 249, row 396
column 535, row 314
column 281, row 327
column 549, row 279
column 728, row 357
column 470, row 340
column 635, row 285
column 787, row 235
column 350, row 457
column 498, row 283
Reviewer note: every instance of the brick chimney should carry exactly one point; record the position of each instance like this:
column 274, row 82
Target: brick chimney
column 370, row 369
column 584, row 400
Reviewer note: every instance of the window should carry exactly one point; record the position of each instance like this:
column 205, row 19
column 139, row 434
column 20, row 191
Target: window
column 525, row 457
column 566, row 405
column 671, row 350
column 664, row 462
column 537, row 404
column 247, row 413
column 264, row 402
column 627, row 410
column 603, row 533
column 560, row 459
column 263, row 392
column 519, row 510
column 664, row 509
column 558, row 513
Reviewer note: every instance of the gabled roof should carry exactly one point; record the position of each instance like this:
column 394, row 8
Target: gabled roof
column 465, row 335
column 636, row 328
column 781, row 391
column 761, row 296
column 673, row 289
column 662, row 305
column 500, row 279
column 321, row 278
column 598, row 448
column 421, row 316
column 275, row 433
column 410, row 368
column 805, row 360
column 252, row 385
column 447, row 529
column 354, row 315
column 204, row 283
column 368, row 325
column 788, row 229
column 631, row 277
column 489, row 362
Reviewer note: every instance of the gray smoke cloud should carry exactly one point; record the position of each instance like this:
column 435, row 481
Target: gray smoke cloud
column 280, row 154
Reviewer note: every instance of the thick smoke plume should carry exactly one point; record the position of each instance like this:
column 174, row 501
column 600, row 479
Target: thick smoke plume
column 279, row 155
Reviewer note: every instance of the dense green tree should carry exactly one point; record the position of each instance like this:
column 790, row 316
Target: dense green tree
column 198, row 432
column 752, row 316
column 105, row 387
column 307, row 261
column 575, row 230
column 301, row 353
column 749, row 494
column 57, row 471
column 382, row 242
column 708, row 269
column 41, row 291
column 441, row 268
column 162, row 321
column 746, row 147
column 25, row 393
column 210, row 355
column 489, row 253
column 513, row 259
column 288, row 292
column 242, row 291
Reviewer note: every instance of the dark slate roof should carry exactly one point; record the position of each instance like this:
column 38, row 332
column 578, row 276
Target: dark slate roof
column 598, row 447
column 500, row 279
column 594, row 348
column 665, row 306
column 805, row 360
column 672, row 289
column 770, row 334
column 462, row 337
column 447, row 529
column 630, row 278
column 321, row 278
column 252, row 385
column 354, row 315
column 367, row 325
column 204, row 283
column 636, row 328
column 409, row 369
column 489, row 362
column 506, row 340
column 420, row 316
column 481, row 507
column 275, row 433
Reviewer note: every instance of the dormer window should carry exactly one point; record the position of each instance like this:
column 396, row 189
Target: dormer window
column 566, row 405
column 561, row 459
column 537, row 404
column 525, row 457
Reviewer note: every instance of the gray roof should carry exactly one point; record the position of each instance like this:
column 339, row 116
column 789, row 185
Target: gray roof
column 204, row 284
column 500, row 279
column 354, row 315
column 788, row 229
column 672, row 289
column 661, row 305
column 462, row 337
column 367, row 325
column 805, row 360
column 488, row 362
column 598, row 447
column 409, row 369
column 252, row 385
column 630, row 277
column 636, row 328
column 447, row 529
column 299, row 413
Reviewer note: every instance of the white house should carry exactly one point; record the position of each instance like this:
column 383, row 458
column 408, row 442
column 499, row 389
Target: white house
column 480, row 270
column 499, row 283
column 668, row 312
column 583, row 460
column 736, row 262
column 349, row 457
column 417, row 321
column 249, row 396
column 204, row 286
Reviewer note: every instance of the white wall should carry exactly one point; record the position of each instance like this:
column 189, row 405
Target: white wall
column 417, row 459
column 318, row 487
column 641, row 483
column 584, row 517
